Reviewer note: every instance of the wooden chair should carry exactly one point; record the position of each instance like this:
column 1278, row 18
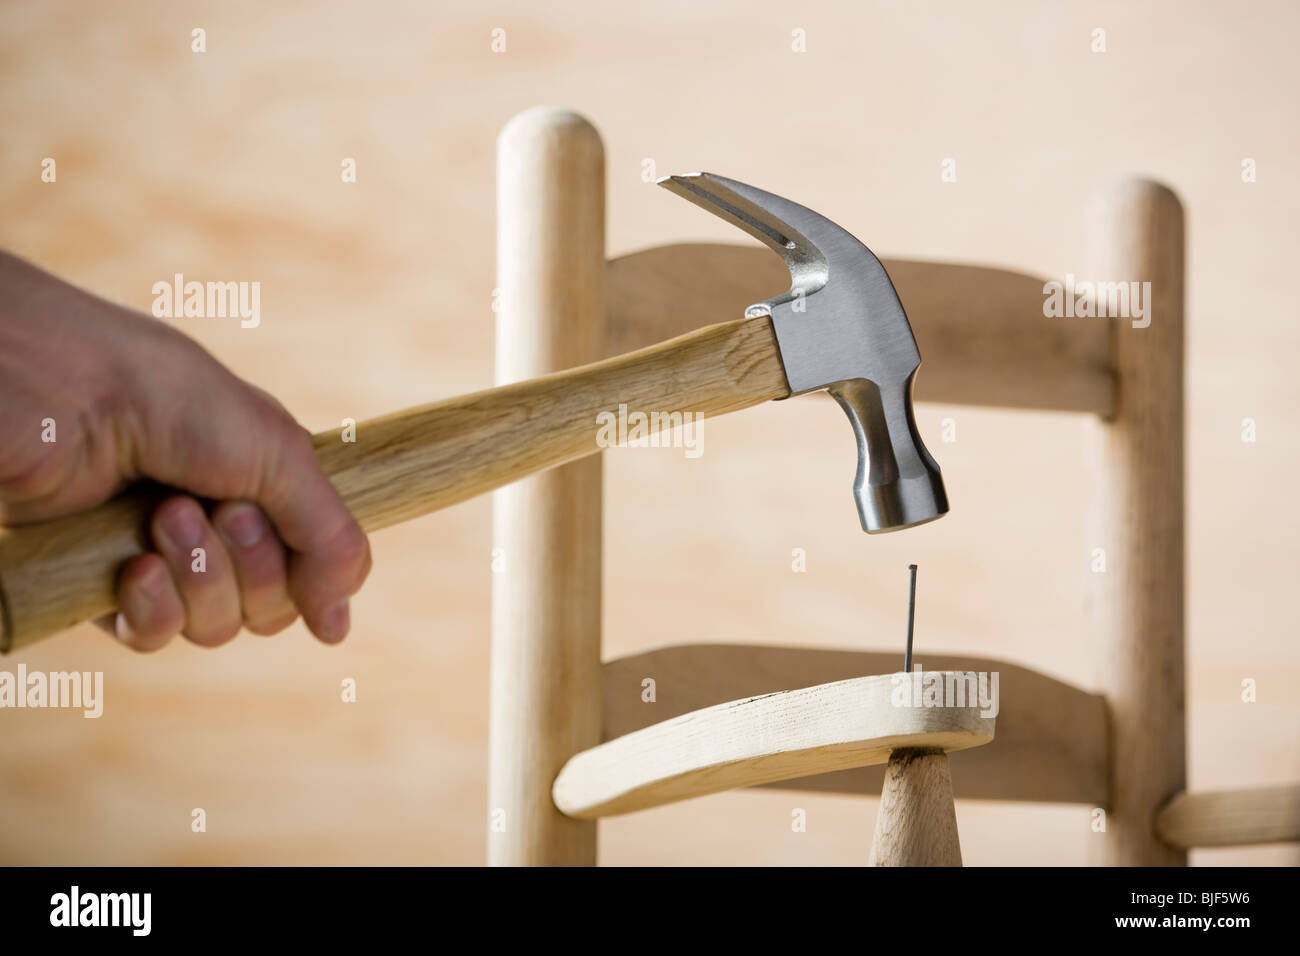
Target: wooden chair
column 570, row 739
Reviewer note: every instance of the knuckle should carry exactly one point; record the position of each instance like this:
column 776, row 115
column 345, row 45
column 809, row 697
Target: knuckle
column 149, row 645
column 293, row 455
column 351, row 549
column 150, row 624
column 166, row 620
column 260, row 572
column 177, row 507
column 273, row 626
column 153, row 637
column 270, row 401
column 295, row 440
column 38, row 476
column 213, row 636
column 275, row 427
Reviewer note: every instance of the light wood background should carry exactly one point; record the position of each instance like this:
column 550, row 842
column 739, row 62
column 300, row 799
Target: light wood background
column 377, row 295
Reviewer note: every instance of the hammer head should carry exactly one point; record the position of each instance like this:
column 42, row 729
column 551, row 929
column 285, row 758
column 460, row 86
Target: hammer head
column 840, row 327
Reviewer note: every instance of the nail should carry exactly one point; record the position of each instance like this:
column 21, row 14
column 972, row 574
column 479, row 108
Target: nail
column 182, row 525
column 911, row 619
column 122, row 629
column 139, row 600
column 244, row 526
column 335, row 625
column 152, row 581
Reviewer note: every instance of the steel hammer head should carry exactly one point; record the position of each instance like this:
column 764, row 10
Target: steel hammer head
column 840, row 327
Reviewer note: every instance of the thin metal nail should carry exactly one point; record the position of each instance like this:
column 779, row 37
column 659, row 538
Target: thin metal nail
column 911, row 618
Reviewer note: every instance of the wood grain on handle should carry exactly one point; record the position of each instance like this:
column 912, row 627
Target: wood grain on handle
column 60, row 573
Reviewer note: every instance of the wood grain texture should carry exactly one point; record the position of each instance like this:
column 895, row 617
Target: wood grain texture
column 916, row 824
column 1135, row 234
column 981, row 331
column 742, row 743
column 546, row 529
column 1051, row 743
column 371, row 305
column 977, row 328
column 407, row 464
column 1231, row 817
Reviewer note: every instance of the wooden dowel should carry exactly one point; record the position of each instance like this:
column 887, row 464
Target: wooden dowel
column 1231, row 817
column 916, row 824
column 1136, row 606
column 546, row 599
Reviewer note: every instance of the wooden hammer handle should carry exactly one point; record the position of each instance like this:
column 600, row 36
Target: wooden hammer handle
column 60, row 573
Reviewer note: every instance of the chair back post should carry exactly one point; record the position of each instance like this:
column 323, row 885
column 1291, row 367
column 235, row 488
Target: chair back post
column 1135, row 236
column 546, row 582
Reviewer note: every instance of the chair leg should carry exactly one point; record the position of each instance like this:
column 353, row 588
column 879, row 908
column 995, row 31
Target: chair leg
column 917, row 822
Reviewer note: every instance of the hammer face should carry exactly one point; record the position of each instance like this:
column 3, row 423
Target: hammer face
column 898, row 484
column 840, row 327
column 853, row 339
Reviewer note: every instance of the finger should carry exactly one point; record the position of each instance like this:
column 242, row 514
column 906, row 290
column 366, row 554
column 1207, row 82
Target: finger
column 331, row 553
column 251, row 449
column 150, row 611
column 201, row 570
column 260, row 566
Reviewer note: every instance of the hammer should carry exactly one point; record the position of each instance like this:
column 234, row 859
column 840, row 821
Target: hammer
column 839, row 327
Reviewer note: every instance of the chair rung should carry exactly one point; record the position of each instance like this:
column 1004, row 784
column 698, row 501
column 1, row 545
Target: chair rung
column 1231, row 817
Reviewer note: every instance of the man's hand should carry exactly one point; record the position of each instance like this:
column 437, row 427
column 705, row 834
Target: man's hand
column 132, row 398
